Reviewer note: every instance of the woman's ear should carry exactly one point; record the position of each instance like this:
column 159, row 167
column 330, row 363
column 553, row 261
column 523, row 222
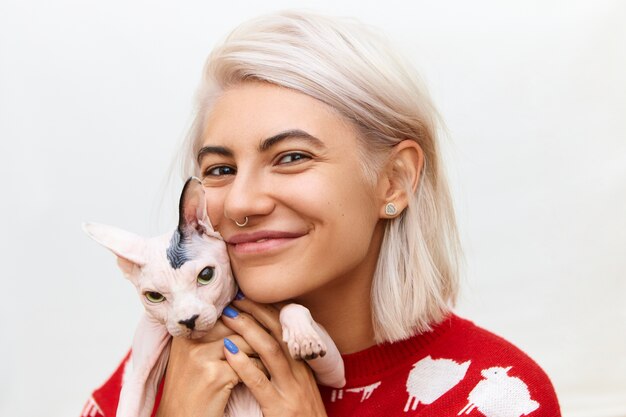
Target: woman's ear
column 400, row 177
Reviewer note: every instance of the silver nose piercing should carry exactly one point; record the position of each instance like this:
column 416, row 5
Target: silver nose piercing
column 245, row 222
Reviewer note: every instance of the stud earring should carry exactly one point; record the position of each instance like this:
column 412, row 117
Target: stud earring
column 390, row 209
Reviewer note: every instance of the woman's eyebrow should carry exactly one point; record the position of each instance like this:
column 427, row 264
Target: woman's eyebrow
column 289, row 134
column 265, row 145
column 216, row 150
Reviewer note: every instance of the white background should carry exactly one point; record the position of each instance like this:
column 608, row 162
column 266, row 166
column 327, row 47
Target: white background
column 96, row 96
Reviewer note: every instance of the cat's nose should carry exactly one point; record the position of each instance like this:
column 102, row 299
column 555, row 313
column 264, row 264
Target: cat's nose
column 190, row 323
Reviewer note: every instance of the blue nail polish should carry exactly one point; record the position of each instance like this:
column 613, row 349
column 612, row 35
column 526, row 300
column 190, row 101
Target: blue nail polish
column 239, row 295
column 232, row 348
column 230, row 312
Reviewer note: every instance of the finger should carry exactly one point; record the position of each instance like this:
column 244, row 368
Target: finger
column 269, row 349
column 213, row 350
column 217, row 333
column 259, row 364
column 241, row 344
column 256, row 381
column 266, row 314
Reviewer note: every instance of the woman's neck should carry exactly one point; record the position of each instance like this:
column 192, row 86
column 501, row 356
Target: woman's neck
column 344, row 308
column 345, row 313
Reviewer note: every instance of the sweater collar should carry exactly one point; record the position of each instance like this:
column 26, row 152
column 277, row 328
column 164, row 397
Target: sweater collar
column 384, row 357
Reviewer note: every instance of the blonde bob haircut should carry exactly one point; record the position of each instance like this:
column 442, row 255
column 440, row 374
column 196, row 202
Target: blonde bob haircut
column 352, row 69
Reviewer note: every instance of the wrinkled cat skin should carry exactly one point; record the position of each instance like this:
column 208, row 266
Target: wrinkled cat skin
column 184, row 281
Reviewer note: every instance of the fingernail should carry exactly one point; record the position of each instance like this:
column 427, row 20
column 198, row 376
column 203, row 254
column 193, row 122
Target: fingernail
column 239, row 295
column 232, row 348
column 230, row 312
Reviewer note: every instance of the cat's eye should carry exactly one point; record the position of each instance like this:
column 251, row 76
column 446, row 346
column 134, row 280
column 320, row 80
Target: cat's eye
column 206, row 275
column 154, row 297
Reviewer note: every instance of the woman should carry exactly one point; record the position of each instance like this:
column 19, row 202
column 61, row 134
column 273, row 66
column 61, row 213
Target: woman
column 317, row 148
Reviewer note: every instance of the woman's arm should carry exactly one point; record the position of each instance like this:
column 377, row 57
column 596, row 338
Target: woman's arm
column 291, row 389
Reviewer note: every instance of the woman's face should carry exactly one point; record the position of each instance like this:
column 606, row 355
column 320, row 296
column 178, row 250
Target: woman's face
column 290, row 165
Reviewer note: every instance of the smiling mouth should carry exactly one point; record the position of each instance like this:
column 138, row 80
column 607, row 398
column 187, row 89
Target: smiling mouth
column 261, row 242
column 262, row 245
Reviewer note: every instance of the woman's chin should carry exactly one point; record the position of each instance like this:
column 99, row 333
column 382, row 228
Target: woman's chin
column 266, row 293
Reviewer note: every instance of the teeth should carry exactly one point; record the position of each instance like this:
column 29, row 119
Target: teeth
column 260, row 240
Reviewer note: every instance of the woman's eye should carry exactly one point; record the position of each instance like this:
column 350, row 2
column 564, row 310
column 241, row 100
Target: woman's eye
column 218, row 171
column 293, row 157
column 154, row 297
column 206, row 275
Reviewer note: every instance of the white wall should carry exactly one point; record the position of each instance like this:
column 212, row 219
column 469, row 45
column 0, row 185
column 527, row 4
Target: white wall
column 95, row 97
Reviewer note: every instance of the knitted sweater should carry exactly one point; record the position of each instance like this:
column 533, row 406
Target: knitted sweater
column 455, row 369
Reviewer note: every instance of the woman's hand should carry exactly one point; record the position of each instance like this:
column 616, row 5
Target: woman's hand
column 198, row 380
column 291, row 389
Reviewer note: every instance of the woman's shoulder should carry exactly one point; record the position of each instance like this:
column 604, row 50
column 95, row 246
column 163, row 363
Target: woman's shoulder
column 467, row 341
column 103, row 401
column 494, row 368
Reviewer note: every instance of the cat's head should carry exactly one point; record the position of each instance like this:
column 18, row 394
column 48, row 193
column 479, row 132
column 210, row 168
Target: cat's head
column 183, row 278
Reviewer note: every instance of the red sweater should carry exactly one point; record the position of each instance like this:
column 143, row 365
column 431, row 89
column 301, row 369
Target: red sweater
column 456, row 369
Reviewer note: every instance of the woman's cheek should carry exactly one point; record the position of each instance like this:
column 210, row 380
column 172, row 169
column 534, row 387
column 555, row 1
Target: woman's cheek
column 215, row 208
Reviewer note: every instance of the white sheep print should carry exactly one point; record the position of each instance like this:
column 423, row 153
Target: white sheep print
column 500, row 395
column 431, row 378
column 496, row 395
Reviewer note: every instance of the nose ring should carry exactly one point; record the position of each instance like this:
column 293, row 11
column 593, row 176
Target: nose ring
column 245, row 222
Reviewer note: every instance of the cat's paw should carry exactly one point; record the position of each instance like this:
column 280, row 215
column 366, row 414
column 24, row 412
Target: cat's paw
column 300, row 333
column 304, row 342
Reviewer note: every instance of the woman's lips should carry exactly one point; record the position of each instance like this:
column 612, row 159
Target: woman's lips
column 259, row 242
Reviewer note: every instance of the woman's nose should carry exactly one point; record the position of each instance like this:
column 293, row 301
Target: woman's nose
column 247, row 196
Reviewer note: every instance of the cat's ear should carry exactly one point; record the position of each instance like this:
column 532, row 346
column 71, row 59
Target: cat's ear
column 192, row 214
column 128, row 247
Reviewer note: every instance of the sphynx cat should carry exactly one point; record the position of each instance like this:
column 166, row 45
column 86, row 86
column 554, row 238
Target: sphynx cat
column 184, row 281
